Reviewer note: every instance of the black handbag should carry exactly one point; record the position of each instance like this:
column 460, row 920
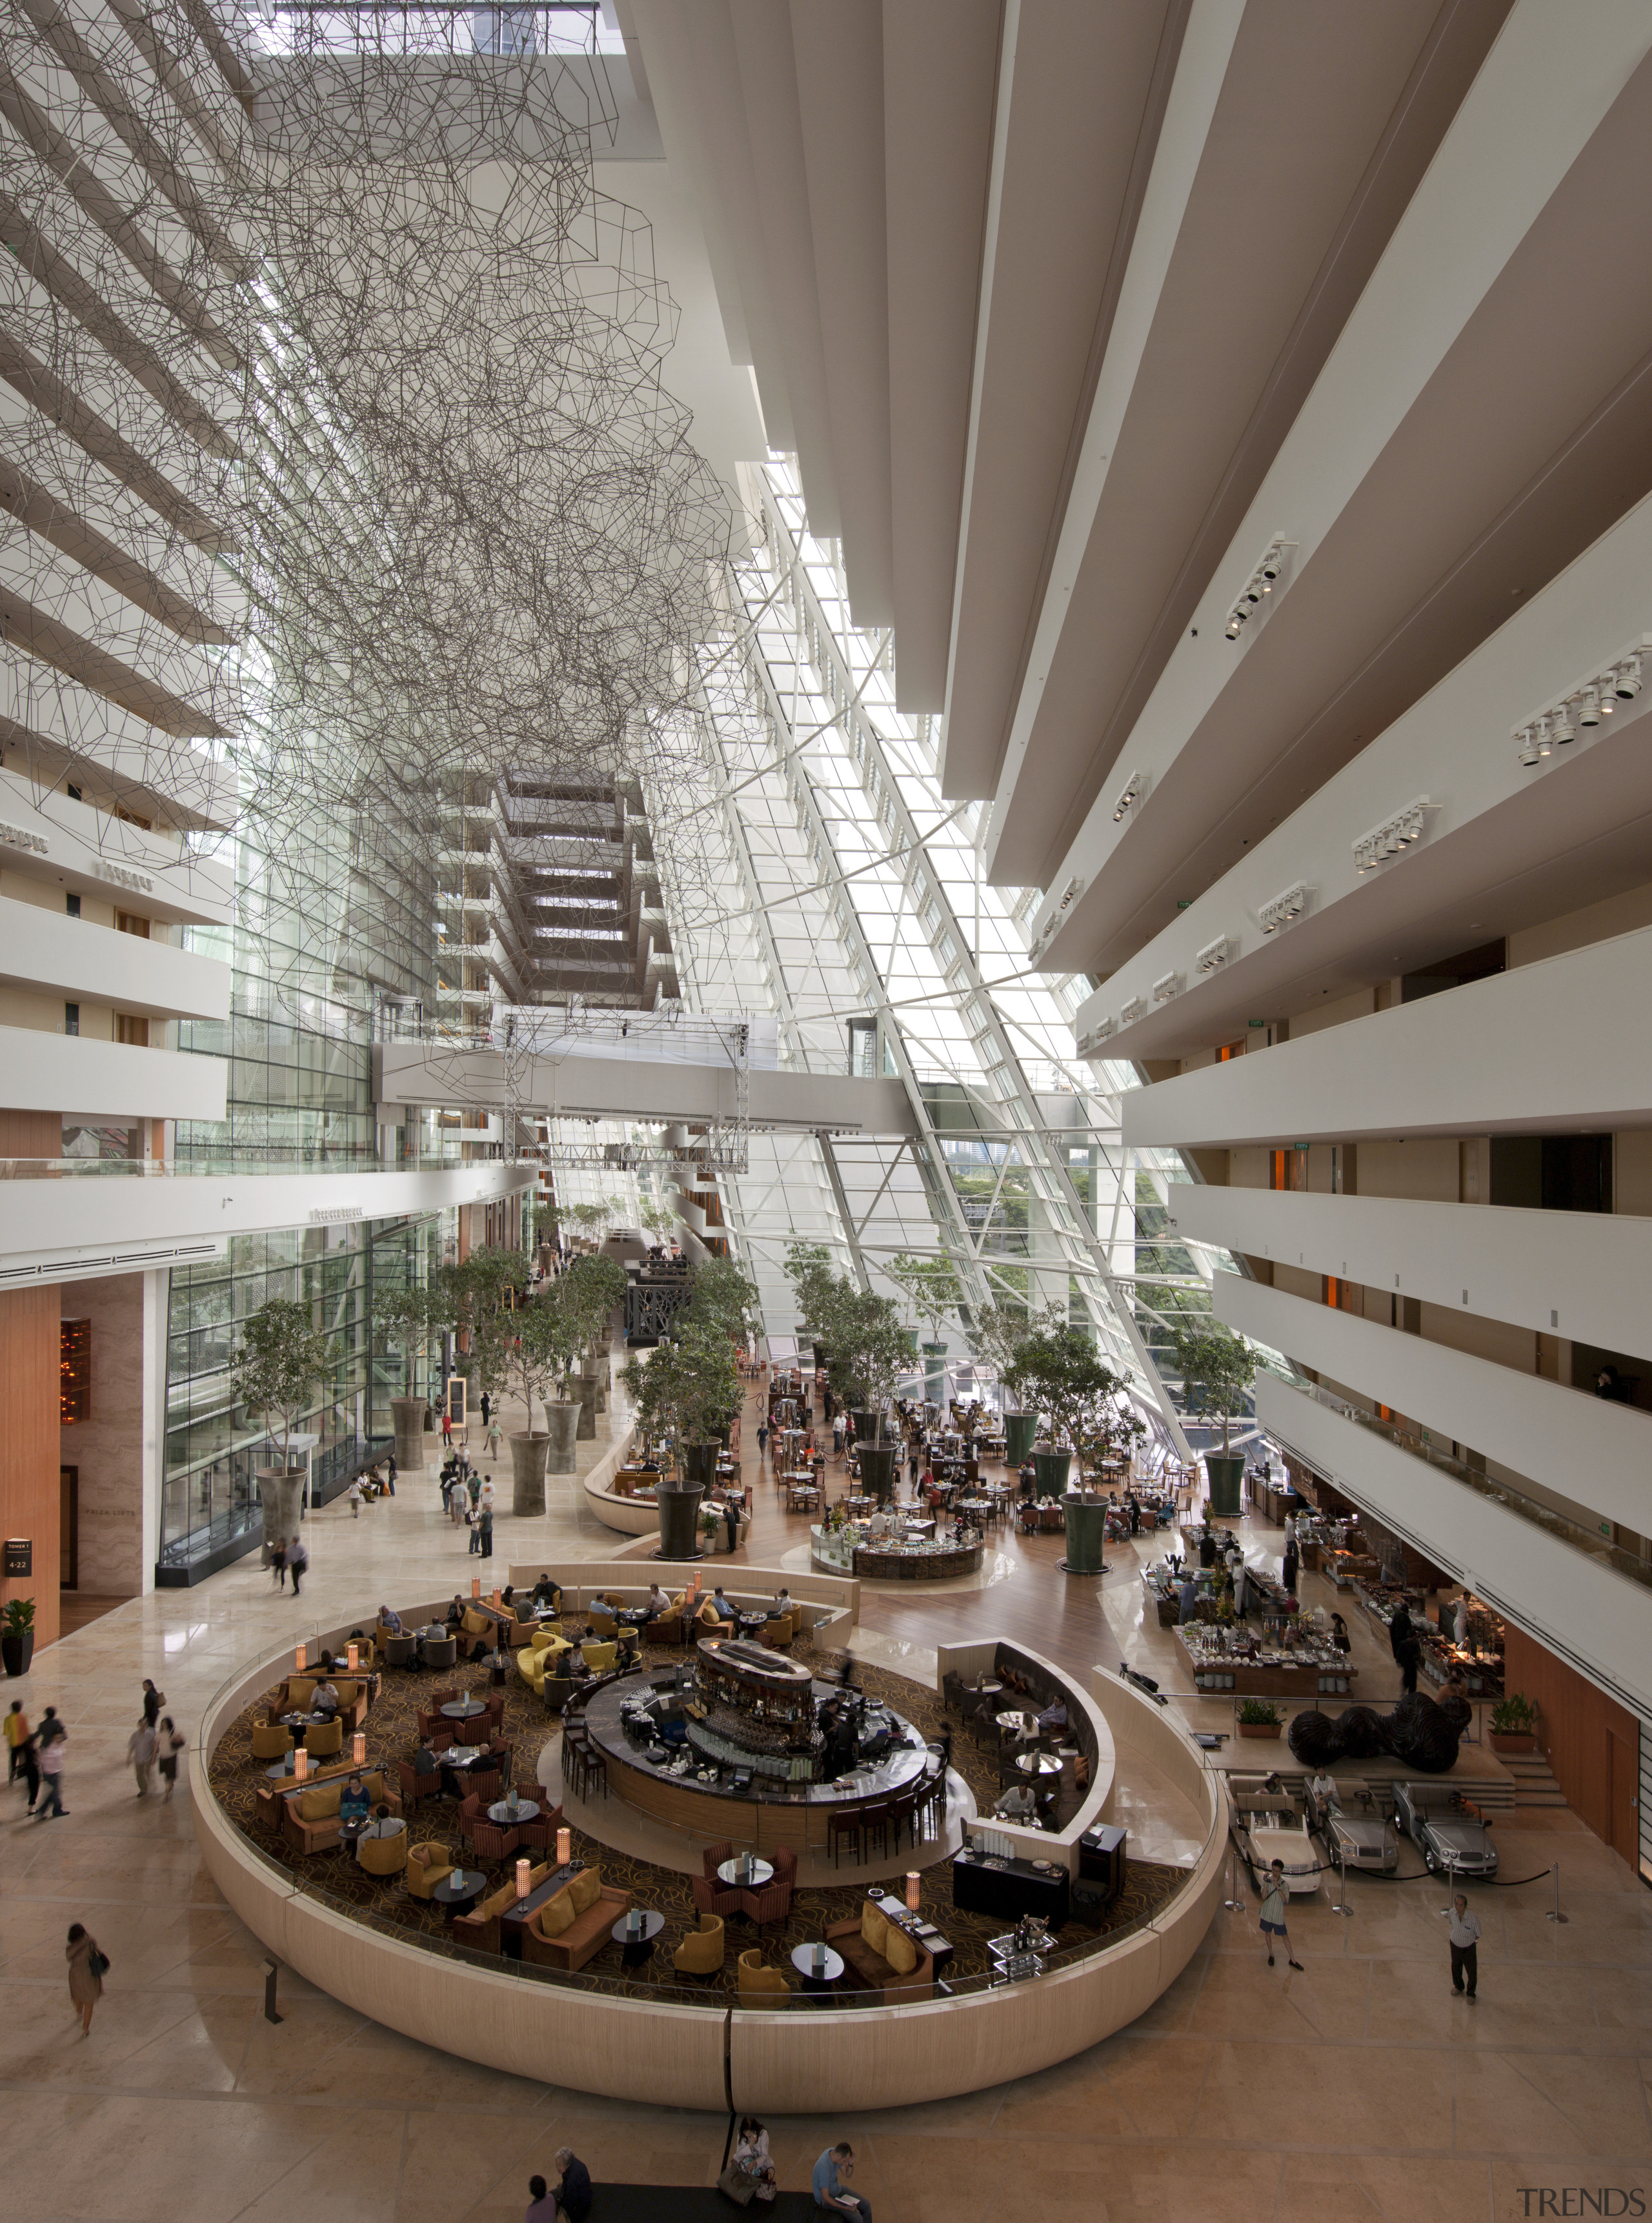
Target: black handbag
column 99, row 1963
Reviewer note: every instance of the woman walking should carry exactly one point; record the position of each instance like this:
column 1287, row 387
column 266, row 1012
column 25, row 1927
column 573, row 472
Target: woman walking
column 278, row 1564
column 86, row 1967
column 1273, row 1914
column 171, row 1745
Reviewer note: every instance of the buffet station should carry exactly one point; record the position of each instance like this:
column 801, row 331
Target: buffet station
column 745, row 1744
column 906, row 1558
column 1296, row 1665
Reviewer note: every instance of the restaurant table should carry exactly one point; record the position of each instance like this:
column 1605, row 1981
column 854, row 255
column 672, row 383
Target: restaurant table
column 526, row 1810
column 1006, row 1948
column 1018, row 1724
column 513, row 1920
column 820, row 1978
column 283, row 1766
column 990, row 1689
column 735, row 1872
column 456, row 1898
column 348, row 1831
column 1010, row 1889
column 638, row 1944
column 972, row 1505
column 1037, row 1763
column 463, row 1709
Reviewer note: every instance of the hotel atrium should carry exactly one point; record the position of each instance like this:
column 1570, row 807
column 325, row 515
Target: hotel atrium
column 781, row 709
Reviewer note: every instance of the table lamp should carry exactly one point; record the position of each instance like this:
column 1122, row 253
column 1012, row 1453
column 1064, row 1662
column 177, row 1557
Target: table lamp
column 564, row 1847
column 911, row 1891
column 497, row 1597
column 358, row 1746
column 353, row 1657
column 300, row 1764
column 299, row 1657
column 475, row 1586
column 522, row 1872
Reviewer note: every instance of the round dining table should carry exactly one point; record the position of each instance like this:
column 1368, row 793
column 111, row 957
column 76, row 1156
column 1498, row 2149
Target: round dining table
column 463, row 1709
column 526, row 1810
column 1037, row 1763
column 745, row 1873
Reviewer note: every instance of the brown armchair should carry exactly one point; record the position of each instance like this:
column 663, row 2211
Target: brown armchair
column 470, row 1812
column 486, row 1788
column 493, row 1841
column 773, row 1902
column 416, row 1787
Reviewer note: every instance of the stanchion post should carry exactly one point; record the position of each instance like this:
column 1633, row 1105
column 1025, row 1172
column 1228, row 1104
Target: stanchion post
column 272, row 1970
column 1233, row 1905
column 1342, row 1905
column 1555, row 1914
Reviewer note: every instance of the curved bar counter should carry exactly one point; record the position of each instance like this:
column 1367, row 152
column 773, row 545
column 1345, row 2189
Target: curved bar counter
column 726, row 1791
column 789, row 2058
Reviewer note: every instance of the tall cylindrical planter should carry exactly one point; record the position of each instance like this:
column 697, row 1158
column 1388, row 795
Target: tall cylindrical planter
column 1020, row 1433
column 527, row 1458
column 1226, row 1473
column 407, row 1414
column 1086, row 1529
column 1051, row 1468
column 281, row 1493
column 867, row 1428
column 562, row 1423
column 587, row 1407
column 878, row 1470
column 679, row 1505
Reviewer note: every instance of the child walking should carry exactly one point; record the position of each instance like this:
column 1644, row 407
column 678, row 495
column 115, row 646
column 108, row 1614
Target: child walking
column 1273, row 1914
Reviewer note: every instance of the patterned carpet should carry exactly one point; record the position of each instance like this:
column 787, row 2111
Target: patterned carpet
column 392, row 1728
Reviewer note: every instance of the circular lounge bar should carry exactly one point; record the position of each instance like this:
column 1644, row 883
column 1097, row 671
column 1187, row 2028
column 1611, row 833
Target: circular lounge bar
column 639, row 1999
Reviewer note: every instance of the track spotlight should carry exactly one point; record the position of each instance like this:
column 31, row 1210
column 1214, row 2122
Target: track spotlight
column 1561, row 725
column 1545, row 746
column 1233, row 626
column 1260, row 582
column 1529, row 745
column 1626, row 680
column 1589, row 707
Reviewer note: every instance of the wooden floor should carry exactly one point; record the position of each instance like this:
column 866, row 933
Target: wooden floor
column 78, row 1609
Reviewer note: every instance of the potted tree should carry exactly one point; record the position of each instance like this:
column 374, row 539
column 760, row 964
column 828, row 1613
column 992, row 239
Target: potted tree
column 1258, row 1717
column 1217, row 1369
column 593, row 1286
column 869, row 1357
column 931, row 1287
column 688, row 1390
column 1059, row 1370
column 283, row 1360
column 996, row 1336
column 406, row 1317
column 815, row 1284
column 17, row 1635
column 1514, row 1724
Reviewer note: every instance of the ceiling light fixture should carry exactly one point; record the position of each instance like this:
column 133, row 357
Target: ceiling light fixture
column 1399, row 832
column 1167, row 984
column 1215, row 954
column 1253, row 597
column 1134, row 788
column 1284, row 909
column 1583, row 709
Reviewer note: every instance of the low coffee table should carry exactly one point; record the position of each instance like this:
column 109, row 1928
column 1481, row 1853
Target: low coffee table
column 526, row 1810
column 815, row 1979
column 348, row 1831
column 456, row 1898
column 735, row 1875
column 463, row 1709
column 638, row 1944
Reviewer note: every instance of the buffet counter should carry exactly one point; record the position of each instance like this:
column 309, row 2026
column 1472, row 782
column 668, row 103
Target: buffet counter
column 1322, row 1673
column 914, row 1559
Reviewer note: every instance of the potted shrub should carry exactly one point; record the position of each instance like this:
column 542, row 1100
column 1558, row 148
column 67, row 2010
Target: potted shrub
column 1217, row 1369
column 1258, row 1717
column 1062, row 1374
column 283, row 1360
column 995, row 1337
column 931, row 1287
column 709, row 1524
column 17, row 1639
column 1514, row 1724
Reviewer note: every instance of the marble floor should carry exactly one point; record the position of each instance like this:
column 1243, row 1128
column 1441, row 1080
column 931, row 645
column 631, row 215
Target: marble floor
column 1360, row 2088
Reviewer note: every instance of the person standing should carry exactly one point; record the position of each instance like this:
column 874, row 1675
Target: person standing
column 140, row 1751
column 171, row 1745
column 473, row 1522
column 353, row 1495
column 485, row 1526
column 390, row 1474
column 278, row 1564
column 447, row 1431
column 1464, row 1935
column 297, row 1561
column 493, row 1438
column 487, row 1408
column 1411, row 1660
column 31, row 1767
column 153, row 1702
column 86, row 1968
column 1273, row 1914
column 762, row 1440
column 51, row 1740
column 833, row 2165
column 1288, row 1566
column 573, row 2185
column 16, row 1739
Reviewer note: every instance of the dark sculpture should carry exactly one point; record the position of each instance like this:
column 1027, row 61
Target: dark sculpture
column 1418, row 1733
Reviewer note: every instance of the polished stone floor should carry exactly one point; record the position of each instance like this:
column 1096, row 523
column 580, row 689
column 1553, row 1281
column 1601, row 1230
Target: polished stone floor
column 1361, row 2087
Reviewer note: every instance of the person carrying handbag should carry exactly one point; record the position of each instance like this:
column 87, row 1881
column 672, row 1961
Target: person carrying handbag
column 87, row 1969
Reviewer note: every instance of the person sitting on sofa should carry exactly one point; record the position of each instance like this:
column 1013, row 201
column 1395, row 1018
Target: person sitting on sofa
column 353, row 1802
column 390, row 1621
column 545, row 1593
column 1053, row 1717
column 383, row 1824
column 658, row 1603
column 324, row 1702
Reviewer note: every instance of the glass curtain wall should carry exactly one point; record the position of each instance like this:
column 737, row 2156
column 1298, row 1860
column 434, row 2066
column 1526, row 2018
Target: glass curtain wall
column 833, row 878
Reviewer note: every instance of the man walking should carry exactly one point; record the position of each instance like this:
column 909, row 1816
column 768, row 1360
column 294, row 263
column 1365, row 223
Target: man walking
column 297, row 1561
column 52, row 1738
column 1465, row 1936
column 140, row 1750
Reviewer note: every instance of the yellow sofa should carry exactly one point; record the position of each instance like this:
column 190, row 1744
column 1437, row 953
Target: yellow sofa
column 310, row 1811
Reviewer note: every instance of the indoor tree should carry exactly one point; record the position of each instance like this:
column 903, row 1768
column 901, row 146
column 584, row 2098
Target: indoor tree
column 1217, row 1369
column 930, row 1287
column 721, row 1297
column 1060, row 1370
column 687, row 1390
column 283, row 1359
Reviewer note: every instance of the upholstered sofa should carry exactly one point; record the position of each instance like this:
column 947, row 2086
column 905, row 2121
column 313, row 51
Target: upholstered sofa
column 574, row 1925
column 881, row 1957
column 479, row 1928
column 310, row 1811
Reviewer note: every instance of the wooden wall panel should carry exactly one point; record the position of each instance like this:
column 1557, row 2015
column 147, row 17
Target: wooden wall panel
column 29, row 1497
column 1576, row 1732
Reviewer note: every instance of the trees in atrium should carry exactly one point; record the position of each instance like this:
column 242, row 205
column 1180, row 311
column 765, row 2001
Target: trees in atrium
column 1218, row 1368
column 283, row 1359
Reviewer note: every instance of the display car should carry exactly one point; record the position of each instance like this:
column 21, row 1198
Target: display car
column 1278, row 1833
column 1452, row 1838
column 1356, row 1829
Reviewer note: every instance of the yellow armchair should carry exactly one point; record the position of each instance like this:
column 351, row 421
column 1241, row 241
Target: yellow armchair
column 324, row 1740
column 384, row 1856
column 271, row 1740
column 426, row 1864
column 599, row 1657
column 756, row 1981
column 700, row 1953
column 531, row 1666
column 602, row 1620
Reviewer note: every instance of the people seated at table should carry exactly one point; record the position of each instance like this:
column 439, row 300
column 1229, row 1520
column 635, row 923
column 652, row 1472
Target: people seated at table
column 435, row 1631
column 547, row 1595
column 353, row 1801
column 424, row 1761
column 724, row 1610
column 390, row 1621
column 1017, row 1803
column 508, row 1600
column 1053, row 1717
column 658, row 1603
column 455, row 1614
column 383, row 1824
column 782, row 1605
column 324, row 1702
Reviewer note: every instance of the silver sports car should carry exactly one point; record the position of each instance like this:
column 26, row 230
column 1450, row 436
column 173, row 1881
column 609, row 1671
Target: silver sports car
column 1357, row 1831
column 1452, row 1839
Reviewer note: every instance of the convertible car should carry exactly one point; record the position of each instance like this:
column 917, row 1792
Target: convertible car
column 1356, row 1829
column 1452, row 1840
